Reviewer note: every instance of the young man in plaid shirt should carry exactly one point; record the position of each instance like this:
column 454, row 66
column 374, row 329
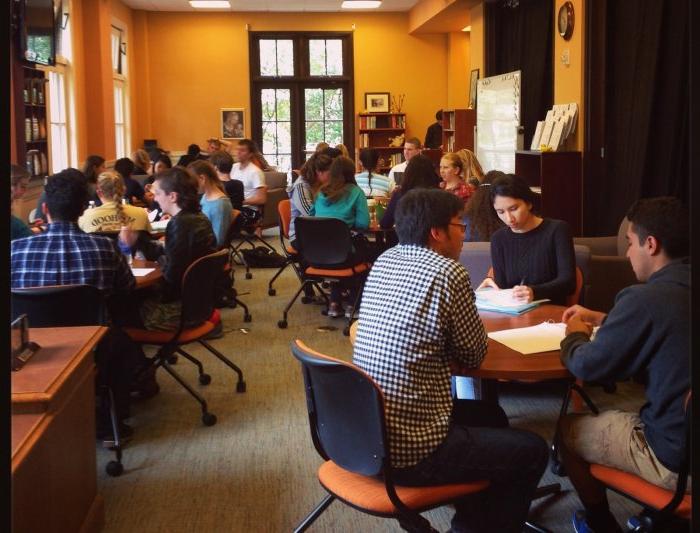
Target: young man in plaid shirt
column 417, row 319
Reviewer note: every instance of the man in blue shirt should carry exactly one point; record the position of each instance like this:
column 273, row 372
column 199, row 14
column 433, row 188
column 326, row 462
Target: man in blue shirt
column 645, row 335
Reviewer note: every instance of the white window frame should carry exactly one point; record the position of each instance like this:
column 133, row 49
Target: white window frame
column 122, row 115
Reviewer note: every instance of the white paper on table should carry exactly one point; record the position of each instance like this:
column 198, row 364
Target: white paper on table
column 544, row 337
column 160, row 225
column 152, row 215
column 140, row 272
column 501, row 298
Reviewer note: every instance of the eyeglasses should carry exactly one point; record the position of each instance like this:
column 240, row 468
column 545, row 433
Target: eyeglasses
column 463, row 227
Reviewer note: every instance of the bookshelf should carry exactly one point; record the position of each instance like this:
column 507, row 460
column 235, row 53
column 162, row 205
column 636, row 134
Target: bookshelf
column 31, row 121
column 458, row 129
column 558, row 176
column 375, row 131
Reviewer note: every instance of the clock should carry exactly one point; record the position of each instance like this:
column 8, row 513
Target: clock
column 565, row 20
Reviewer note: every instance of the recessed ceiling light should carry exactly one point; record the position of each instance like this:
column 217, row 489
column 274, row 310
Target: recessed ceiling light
column 467, row 28
column 361, row 4
column 210, row 4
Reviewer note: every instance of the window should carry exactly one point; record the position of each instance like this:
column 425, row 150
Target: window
column 302, row 94
column 58, row 122
column 121, row 109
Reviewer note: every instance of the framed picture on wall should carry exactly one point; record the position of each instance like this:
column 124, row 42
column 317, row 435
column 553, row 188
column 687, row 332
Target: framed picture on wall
column 472, row 88
column 232, row 123
column 377, row 102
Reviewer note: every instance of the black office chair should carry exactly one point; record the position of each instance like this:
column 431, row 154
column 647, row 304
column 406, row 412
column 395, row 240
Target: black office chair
column 65, row 306
column 326, row 245
column 197, row 319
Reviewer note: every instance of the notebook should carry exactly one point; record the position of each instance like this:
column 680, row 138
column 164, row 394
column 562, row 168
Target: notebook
column 544, row 337
column 502, row 301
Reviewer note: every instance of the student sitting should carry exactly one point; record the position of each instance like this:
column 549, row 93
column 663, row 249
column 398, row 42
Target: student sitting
column 253, row 179
column 646, row 334
column 302, row 193
column 18, row 186
column 188, row 236
column 133, row 192
column 223, row 163
column 340, row 197
column 369, row 180
column 452, row 173
column 472, row 172
column 142, row 162
column 215, row 203
column 194, row 153
column 419, row 173
column 532, row 255
column 111, row 215
column 480, row 218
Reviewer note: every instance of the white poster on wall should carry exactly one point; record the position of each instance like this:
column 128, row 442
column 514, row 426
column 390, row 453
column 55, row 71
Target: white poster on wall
column 497, row 121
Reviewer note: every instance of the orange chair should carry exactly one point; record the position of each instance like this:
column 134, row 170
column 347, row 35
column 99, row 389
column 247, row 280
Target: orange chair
column 284, row 210
column 326, row 245
column 198, row 318
column 661, row 506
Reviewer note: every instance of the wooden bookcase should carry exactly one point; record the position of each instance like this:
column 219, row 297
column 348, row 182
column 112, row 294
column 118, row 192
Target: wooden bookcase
column 558, row 175
column 458, row 129
column 31, row 120
column 375, row 131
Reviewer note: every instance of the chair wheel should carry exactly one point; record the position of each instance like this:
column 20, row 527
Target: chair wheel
column 282, row 324
column 247, row 318
column 306, row 300
column 248, row 275
column 558, row 469
column 208, row 419
column 240, row 386
column 271, row 292
column 114, row 468
column 204, row 379
column 346, row 331
column 172, row 359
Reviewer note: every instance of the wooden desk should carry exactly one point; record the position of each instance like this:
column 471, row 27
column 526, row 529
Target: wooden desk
column 149, row 279
column 54, row 470
column 503, row 363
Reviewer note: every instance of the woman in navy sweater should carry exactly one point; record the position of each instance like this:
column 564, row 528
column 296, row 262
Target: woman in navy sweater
column 532, row 255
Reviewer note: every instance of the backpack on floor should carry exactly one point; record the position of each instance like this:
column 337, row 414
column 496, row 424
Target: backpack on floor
column 262, row 257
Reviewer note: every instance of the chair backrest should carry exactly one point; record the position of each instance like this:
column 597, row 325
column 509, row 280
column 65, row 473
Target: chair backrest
column 323, row 241
column 59, row 305
column 622, row 237
column 276, row 192
column 198, row 284
column 284, row 211
column 476, row 258
column 346, row 412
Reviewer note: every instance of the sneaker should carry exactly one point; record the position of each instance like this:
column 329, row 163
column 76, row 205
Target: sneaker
column 578, row 520
column 348, row 312
column 334, row 310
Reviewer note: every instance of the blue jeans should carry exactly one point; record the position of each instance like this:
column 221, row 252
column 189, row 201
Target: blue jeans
column 480, row 445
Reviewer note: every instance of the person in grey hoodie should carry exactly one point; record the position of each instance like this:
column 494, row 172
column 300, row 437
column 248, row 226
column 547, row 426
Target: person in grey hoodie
column 646, row 335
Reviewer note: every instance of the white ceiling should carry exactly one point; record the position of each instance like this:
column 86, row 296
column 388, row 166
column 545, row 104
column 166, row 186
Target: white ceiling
column 268, row 5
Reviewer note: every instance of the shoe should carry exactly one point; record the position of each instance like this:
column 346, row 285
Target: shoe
column 146, row 386
column 334, row 310
column 578, row 520
column 348, row 312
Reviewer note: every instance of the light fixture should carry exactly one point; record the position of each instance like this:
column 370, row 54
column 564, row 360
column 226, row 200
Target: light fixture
column 467, row 28
column 361, row 4
column 210, row 4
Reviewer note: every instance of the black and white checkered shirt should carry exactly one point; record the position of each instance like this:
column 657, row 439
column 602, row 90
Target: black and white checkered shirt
column 417, row 314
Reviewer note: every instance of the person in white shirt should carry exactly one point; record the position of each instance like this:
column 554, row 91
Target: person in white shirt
column 411, row 147
column 253, row 179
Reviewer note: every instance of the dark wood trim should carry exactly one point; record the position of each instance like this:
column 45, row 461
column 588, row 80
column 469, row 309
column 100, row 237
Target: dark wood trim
column 300, row 81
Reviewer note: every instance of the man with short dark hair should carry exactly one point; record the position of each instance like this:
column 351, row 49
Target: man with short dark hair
column 646, row 334
column 411, row 147
column 433, row 137
column 418, row 319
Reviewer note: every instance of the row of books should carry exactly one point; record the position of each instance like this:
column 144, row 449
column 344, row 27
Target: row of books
column 392, row 121
column 450, row 143
column 450, row 120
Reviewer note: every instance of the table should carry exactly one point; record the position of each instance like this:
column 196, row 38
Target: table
column 149, row 279
column 54, row 464
column 503, row 363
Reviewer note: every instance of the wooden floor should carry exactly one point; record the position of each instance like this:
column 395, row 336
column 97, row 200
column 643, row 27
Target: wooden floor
column 255, row 469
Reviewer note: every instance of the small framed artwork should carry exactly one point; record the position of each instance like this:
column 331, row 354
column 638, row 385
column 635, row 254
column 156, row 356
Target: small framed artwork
column 377, row 102
column 232, row 123
column 472, row 88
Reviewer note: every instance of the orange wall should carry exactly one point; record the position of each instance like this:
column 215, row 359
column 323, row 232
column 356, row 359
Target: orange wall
column 458, row 67
column 198, row 63
column 476, row 38
column 569, row 79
